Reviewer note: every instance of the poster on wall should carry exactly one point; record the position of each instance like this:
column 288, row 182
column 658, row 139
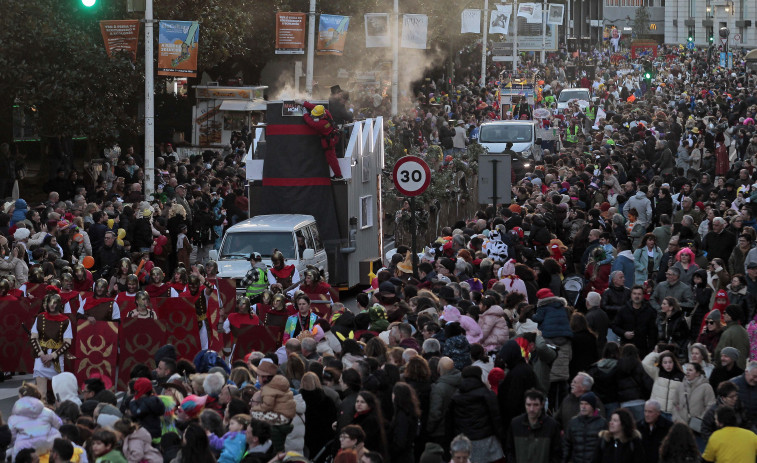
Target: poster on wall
column 290, row 33
column 555, row 14
column 177, row 48
column 332, row 34
column 376, row 30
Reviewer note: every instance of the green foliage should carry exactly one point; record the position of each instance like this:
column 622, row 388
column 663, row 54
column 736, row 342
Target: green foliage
column 641, row 22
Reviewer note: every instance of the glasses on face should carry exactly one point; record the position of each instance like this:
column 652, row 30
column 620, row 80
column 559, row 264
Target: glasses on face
column 710, row 322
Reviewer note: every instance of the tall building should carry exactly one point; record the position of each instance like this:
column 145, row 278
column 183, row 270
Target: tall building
column 702, row 19
column 622, row 14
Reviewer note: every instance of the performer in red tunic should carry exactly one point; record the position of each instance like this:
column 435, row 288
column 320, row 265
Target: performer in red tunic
column 142, row 309
column 100, row 307
column 198, row 296
column 51, row 336
column 284, row 275
column 69, row 297
column 279, row 312
column 5, row 289
column 157, row 288
column 243, row 316
column 179, row 282
column 83, row 280
column 18, row 293
column 125, row 299
column 320, row 293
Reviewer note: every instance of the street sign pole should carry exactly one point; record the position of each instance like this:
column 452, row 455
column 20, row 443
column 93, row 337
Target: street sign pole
column 412, row 177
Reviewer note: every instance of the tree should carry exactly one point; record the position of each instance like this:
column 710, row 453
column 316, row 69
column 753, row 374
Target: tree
column 641, row 22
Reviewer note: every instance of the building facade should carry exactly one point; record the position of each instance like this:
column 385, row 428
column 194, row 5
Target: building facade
column 622, row 14
column 702, row 19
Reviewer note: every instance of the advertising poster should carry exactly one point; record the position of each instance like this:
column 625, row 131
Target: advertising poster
column 414, row 31
column 332, row 34
column 120, row 36
column 555, row 14
column 376, row 30
column 177, row 48
column 499, row 20
column 290, row 33
column 470, row 22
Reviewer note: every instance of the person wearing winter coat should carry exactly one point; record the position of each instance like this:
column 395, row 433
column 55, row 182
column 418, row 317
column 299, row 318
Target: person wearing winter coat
column 702, row 295
column 581, row 437
column 472, row 329
column 442, row 391
column 276, row 398
column 33, row 426
column 616, row 296
column 146, row 408
column 584, row 345
column 642, row 204
column 320, row 413
column 625, row 263
column 494, row 329
column 621, row 443
column 137, row 443
column 734, row 335
column 636, row 323
column 728, row 395
column 603, row 373
column 65, row 388
column 667, row 375
column 405, row 423
column 739, row 295
column 473, row 411
column 295, row 440
column 674, row 329
column 534, row 437
column 695, row 397
column 456, row 345
column 552, row 315
column 647, row 258
column 519, row 378
column 632, row 383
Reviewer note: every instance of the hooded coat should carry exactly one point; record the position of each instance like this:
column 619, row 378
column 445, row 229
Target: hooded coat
column 494, row 329
column 552, row 317
column 277, row 398
column 33, row 426
column 665, row 386
column 441, row 394
column 19, row 213
column 622, row 450
column 700, row 397
column 66, row 388
column 519, row 378
column 473, row 411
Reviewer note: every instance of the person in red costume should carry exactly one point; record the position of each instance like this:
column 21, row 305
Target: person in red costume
column 284, row 275
column 125, row 299
column 320, row 120
column 157, row 288
column 100, row 307
column 244, row 316
column 51, row 336
column 18, row 293
column 83, row 281
column 179, row 282
column 198, row 295
column 68, row 295
column 5, row 291
column 319, row 292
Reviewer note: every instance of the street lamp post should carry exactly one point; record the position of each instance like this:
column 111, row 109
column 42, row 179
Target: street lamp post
column 149, row 184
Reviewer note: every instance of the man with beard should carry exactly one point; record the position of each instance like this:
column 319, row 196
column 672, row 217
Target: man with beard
column 157, row 288
column 99, row 306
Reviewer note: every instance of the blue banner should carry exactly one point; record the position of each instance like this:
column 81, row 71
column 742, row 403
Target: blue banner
column 332, row 34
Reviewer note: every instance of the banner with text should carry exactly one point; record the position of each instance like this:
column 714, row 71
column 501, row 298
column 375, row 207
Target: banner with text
column 376, row 30
column 414, row 31
column 177, row 48
column 290, row 33
column 121, row 36
column 530, row 11
column 499, row 19
column 470, row 22
column 332, row 34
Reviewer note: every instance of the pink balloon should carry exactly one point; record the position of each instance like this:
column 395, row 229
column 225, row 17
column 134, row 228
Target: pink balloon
column 162, row 240
column 158, row 250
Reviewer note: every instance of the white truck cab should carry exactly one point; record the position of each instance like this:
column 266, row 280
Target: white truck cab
column 568, row 94
column 295, row 235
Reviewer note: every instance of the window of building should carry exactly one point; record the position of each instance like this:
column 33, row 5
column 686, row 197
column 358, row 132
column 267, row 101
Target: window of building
column 366, row 211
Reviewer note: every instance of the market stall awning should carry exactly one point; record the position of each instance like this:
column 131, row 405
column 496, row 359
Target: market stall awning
column 242, row 105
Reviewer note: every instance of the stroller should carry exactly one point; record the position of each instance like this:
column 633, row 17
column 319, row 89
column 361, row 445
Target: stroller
column 572, row 289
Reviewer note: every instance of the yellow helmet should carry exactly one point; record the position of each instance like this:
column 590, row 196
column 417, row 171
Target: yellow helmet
column 318, row 111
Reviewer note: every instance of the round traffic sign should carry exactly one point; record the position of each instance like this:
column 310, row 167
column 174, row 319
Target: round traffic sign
column 411, row 175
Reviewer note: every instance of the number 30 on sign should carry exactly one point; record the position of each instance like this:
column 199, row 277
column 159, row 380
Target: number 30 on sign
column 411, row 175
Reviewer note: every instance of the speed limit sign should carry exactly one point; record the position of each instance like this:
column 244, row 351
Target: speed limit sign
column 411, row 175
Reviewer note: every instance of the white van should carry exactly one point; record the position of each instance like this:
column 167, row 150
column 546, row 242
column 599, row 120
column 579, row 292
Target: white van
column 568, row 94
column 295, row 235
column 494, row 137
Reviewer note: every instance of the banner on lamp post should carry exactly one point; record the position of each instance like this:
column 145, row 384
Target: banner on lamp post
column 414, row 31
column 120, row 36
column 499, row 19
column 470, row 22
column 377, row 30
column 290, row 33
column 177, row 48
column 332, row 34
column 555, row 14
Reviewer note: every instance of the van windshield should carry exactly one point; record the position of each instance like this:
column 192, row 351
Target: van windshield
column 500, row 133
column 241, row 244
column 566, row 96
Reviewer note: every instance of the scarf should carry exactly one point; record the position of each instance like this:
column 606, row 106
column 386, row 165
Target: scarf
column 54, row 318
column 94, row 301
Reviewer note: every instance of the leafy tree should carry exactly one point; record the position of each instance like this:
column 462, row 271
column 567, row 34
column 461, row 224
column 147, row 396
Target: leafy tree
column 641, row 22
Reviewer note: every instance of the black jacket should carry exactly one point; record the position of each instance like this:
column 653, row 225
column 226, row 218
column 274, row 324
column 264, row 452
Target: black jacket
column 147, row 411
column 375, row 431
column 141, row 234
column 320, row 413
column 599, row 322
column 651, row 439
column 620, row 451
column 402, row 434
column 720, row 374
column 474, row 412
column 538, row 444
column 584, row 352
column 519, row 378
column 613, row 299
column 675, row 330
column 631, row 381
column 581, row 438
column 643, row 323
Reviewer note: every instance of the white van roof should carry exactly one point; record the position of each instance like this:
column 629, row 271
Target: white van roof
column 273, row 222
column 511, row 122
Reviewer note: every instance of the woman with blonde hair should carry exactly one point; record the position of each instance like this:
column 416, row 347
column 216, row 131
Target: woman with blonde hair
column 320, row 413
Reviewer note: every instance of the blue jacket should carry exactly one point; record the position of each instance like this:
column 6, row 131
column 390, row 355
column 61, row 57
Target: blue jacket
column 627, row 266
column 552, row 317
column 233, row 445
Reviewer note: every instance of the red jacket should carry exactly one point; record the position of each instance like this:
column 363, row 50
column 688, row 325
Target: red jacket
column 324, row 125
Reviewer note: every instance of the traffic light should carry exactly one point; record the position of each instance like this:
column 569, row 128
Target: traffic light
column 691, row 39
column 648, row 75
column 712, row 39
column 88, row 3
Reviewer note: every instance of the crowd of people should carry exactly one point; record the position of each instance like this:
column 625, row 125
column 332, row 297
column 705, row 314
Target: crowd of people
column 606, row 314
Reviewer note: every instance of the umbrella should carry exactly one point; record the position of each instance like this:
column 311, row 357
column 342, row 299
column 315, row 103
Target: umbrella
column 542, row 113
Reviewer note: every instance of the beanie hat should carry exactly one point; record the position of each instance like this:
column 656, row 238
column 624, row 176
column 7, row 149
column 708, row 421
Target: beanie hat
column 700, row 205
column 496, row 375
column 142, row 387
column 593, row 299
column 193, row 405
column 604, row 207
column 714, row 315
column 515, row 208
column 590, row 399
column 108, row 416
column 544, row 293
column 734, row 312
column 731, row 352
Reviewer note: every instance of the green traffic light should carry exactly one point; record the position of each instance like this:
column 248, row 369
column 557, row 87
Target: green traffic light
column 88, row 3
column 691, row 39
column 648, row 75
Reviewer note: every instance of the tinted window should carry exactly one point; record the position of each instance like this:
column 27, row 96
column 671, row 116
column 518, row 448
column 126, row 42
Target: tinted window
column 241, row 245
column 579, row 95
column 500, row 133
column 316, row 237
